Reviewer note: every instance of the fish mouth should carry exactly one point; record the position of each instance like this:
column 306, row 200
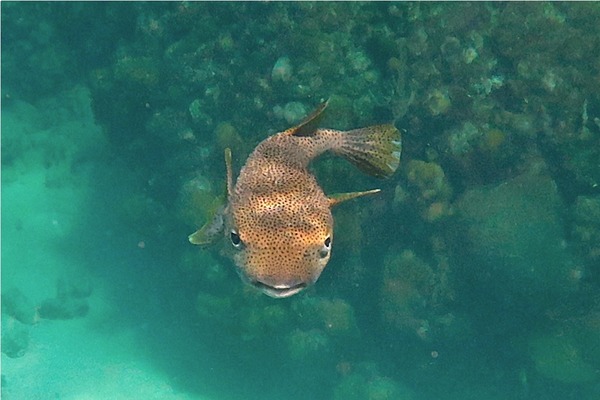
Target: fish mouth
column 279, row 291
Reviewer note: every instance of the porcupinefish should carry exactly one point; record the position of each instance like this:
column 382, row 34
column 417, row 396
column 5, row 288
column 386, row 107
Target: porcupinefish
column 277, row 219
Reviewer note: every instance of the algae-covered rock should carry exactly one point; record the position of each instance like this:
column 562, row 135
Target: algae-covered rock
column 293, row 112
column 220, row 309
column 336, row 317
column 366, row 383
column 282, row 70
column 406, row 288
column 260, row 322
column 197, row 201
column 414, row 296
column 559, row 357
column 307, row 345
column 586, row 229
column 512, row 244
column 228, row 137
column 432, row 189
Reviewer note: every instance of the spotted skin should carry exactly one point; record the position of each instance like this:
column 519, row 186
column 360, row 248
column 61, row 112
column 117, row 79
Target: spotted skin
column 278, row 220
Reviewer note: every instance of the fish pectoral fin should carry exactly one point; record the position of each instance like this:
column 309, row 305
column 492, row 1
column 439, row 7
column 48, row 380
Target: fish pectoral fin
column 211, row 231
column 310, row 124
column 338, row 198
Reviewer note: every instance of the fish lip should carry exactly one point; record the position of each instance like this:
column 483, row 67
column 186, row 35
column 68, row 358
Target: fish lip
column 279, row 291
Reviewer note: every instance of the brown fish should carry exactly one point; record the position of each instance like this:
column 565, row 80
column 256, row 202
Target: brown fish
column 277, row 219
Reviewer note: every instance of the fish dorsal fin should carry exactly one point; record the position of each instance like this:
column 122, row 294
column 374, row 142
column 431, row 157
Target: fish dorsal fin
column 310, row 124
column 229, row 171
column 338, row 198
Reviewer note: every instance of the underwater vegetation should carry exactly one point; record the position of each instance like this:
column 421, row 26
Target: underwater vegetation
column 480, row 260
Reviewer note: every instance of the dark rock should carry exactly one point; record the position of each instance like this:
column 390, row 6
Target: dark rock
column 15, row 338
column 63, row 308
column 18, row 306
column 511, row 242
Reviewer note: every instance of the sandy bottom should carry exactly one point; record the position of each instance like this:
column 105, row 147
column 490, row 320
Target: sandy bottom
column 69, row 360
column 44, row 189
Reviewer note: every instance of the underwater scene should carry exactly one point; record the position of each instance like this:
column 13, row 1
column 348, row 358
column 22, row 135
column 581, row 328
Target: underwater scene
column 474, row 273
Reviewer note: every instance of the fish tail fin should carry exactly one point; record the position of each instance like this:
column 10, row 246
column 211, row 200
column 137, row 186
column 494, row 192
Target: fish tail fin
column 375, row 150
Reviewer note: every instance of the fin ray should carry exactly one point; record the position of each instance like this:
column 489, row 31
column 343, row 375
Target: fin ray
column 338, row 198
column 211, row 231
column 229, row 171
column 375, row 150
column 309, row 125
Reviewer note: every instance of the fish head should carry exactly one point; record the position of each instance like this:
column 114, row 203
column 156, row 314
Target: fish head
column 281, row 251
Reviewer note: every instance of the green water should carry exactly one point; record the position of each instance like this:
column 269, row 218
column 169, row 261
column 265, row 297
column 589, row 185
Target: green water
column 474, row 274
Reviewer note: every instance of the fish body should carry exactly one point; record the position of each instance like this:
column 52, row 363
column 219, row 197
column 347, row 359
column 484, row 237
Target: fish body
column 277, row 219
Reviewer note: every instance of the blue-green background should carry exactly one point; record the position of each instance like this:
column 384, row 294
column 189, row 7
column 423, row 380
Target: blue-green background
column 474, row 275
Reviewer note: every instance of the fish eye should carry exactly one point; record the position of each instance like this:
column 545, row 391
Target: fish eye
column 324, row 252
column 235, row 239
